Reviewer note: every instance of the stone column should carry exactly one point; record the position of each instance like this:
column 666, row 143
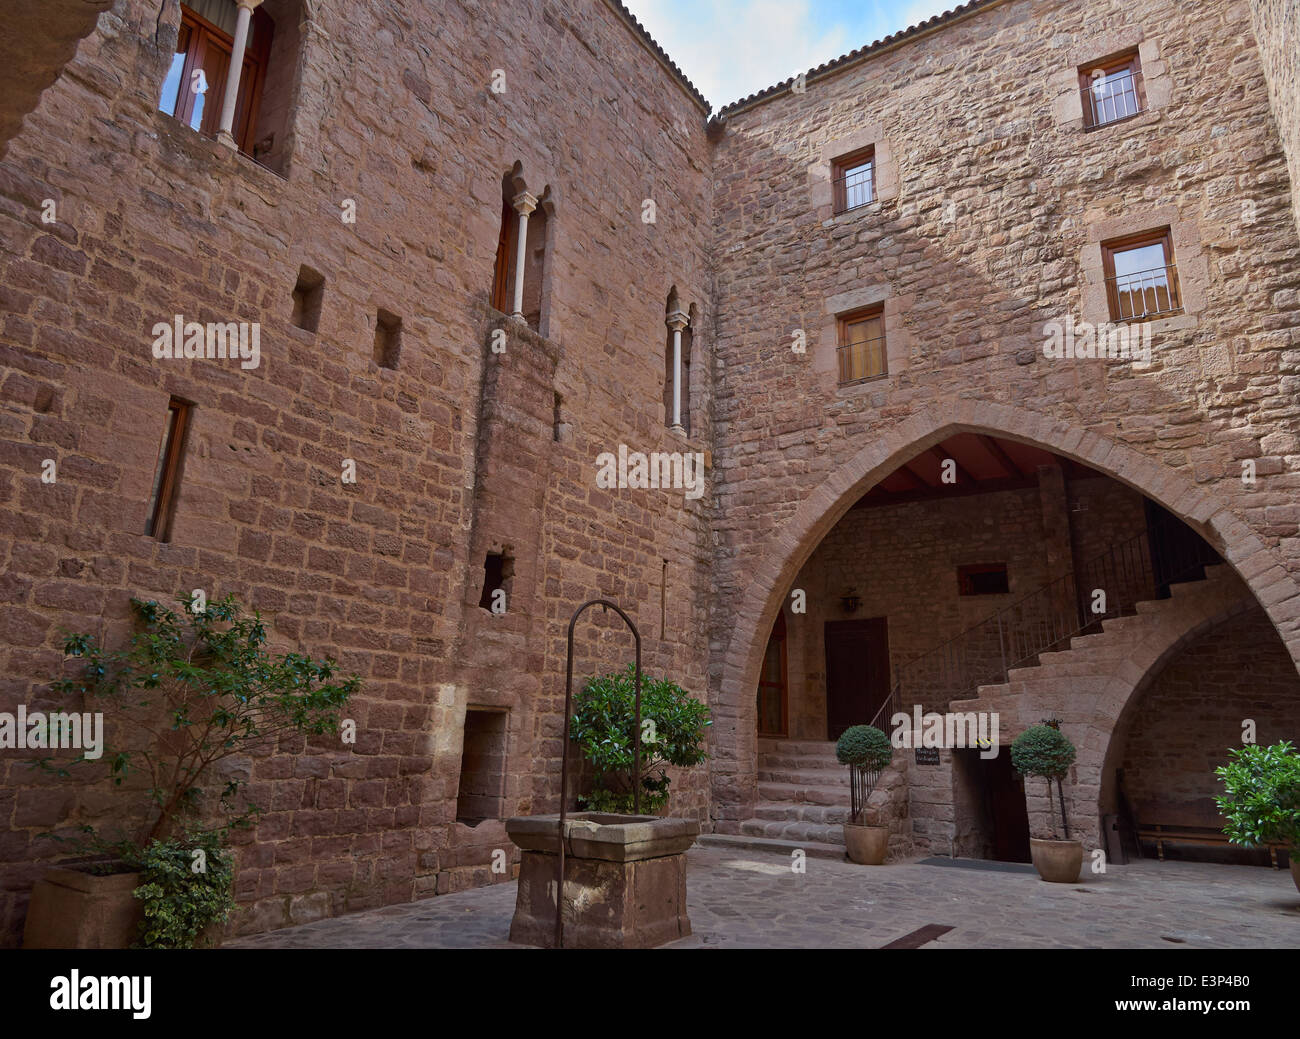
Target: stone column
column 524, row 204
column 677, row 321
column 225, row 134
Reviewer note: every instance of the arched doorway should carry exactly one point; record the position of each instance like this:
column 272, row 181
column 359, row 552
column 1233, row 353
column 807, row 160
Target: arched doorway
column 790, row 546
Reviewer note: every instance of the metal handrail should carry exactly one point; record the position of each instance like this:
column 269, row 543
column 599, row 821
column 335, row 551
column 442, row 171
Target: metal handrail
column 855, row 190
column 1049, row 616
column 1139, row 283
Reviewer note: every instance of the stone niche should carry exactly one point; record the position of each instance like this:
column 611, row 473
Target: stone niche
column 624, row 880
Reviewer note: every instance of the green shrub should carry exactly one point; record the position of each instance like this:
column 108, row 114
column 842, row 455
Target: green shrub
column 190, row 690
column 1262, row 798
column 603, row 725
column 864, row 746
column 186, row 887
column 1043, row 750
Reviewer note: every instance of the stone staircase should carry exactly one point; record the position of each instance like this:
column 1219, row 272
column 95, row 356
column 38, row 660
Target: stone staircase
column 803, row 792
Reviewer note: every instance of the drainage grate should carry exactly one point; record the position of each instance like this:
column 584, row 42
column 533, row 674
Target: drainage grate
column 919, row 937
column 982, row 864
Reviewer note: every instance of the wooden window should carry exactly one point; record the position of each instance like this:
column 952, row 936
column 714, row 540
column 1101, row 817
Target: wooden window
column 773, row 690
column 503, row 282
column 167, row 476
column 1112, row 90
column 862, row 345
column 983, row 579
column 854, row 178
column 204, row 45
column 1141, row 276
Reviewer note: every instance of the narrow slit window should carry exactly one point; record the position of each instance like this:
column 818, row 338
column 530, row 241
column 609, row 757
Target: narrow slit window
column 308, row 295
column 388, row 338
column 497, row 571
column 166, row 481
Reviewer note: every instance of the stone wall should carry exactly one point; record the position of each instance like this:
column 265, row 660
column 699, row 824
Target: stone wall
column 394, row 113
column 1277, row 28
column 1193, row 712
column 1002, row 203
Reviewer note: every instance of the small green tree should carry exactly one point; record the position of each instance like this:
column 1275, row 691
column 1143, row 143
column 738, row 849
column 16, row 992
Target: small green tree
column 868, row 752
column 1262, row 795
column 1043, row 750
column 673, row 725
column 190, row 690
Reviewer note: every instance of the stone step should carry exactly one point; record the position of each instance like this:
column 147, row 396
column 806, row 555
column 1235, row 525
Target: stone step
column 783, row 848
column 804, row 793
column 800, row 832
column 818, row 777
column 792, row 812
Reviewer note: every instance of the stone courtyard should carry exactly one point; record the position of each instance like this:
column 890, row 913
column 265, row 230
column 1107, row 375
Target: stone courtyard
column 742, row 899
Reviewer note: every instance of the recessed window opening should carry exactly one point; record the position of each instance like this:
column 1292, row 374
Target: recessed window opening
column 308, row 295
column 983, row 579
column 167, row 475
column 388, row 338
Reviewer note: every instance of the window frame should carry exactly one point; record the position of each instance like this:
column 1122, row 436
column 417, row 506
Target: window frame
column 1128, row 59
column 167, row 475
column 966, row 586
column 203, row 34
column 840, row 169
column 1116, row 246
column 843, row 322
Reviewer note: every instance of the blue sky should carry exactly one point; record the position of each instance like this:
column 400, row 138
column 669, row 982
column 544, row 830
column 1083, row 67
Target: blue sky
column 730, row 48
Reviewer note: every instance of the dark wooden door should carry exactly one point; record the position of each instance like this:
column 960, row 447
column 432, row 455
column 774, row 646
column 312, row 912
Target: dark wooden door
column 857, row 672
column 1004, row 798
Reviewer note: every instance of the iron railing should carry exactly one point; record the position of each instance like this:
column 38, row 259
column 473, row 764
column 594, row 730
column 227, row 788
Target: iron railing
column 1108, row 99
column 1145, row 294
column 1045, row 620
column 861, row 360
column 855, row 189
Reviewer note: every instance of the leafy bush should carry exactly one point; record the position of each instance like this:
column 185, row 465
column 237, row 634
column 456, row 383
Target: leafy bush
column 1044, row 750
column 1262, row 798
column 186, row 887
column 603, row 724
column 864, row 746
column 189, row 691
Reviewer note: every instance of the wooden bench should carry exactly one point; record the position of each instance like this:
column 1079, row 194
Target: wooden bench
column 1186, row 822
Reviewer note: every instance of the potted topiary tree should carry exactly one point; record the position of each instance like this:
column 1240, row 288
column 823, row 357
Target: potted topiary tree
column 1262, row 798
column 190, row 690
column 1044, row 750
column 868, row 752
column 673, row 728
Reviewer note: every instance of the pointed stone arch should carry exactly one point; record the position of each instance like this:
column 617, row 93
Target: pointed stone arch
column 776, row 564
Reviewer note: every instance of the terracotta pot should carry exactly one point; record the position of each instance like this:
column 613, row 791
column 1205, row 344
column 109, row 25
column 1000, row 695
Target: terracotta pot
column 1295, row 867
column 1057, row 862
column 73, row 909
column 867, row 845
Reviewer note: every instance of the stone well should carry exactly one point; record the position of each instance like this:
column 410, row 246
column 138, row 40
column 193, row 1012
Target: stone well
column 624, row 880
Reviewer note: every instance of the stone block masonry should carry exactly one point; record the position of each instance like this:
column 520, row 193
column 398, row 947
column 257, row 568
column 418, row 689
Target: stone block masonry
column 400, row 122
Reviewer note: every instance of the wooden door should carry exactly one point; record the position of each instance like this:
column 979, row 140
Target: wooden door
column 857, row 672
column 1004, row 798
column 773, row 689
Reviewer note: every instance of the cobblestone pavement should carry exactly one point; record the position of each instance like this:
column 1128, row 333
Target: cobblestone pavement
column 753, row 900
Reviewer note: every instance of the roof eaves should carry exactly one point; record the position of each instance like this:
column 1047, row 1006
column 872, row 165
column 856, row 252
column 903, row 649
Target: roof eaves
column 837, row 64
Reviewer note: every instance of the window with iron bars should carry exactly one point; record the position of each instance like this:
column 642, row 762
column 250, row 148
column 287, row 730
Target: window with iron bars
column 861, row 352
column 854, row 179
column 1142, row 277
column 1112, row 90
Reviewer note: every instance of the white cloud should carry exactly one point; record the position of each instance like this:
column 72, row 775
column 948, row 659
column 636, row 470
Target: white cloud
column 732, row 48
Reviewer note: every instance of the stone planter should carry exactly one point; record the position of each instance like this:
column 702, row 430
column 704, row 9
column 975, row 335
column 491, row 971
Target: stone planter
column 867, row 845
column 73, row 909
column 1057, row 862
column 624, row 880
